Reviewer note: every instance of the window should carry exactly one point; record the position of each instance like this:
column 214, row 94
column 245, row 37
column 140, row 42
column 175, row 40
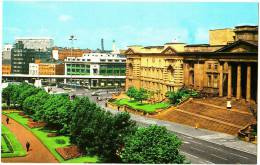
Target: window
column 209, row 80
column 215, row 82
column 216, row 66
column 209, row 66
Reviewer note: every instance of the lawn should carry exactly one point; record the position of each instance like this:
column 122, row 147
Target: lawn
column 52, row 142
column 18, row 150
column 142, row 107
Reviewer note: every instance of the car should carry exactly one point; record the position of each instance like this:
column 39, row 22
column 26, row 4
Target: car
column 95, row 94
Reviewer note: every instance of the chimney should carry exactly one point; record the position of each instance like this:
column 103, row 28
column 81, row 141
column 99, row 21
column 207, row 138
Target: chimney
column 102, row 44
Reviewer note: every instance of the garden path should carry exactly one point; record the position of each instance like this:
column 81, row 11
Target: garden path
column 38, row 153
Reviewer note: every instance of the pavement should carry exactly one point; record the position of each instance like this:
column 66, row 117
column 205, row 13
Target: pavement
column 200, row 146
column 37, row 153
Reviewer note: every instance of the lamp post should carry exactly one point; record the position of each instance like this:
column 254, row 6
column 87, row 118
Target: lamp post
column 72, row 38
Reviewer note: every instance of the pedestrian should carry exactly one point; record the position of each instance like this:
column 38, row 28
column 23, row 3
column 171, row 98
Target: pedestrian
column 27, row 146
column 118, row 108
column 7, row 120
column 106, row 104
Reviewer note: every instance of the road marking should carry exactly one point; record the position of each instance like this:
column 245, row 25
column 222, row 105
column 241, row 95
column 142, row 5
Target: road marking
column 188, row 137
column 196, row 142
column 215, row 148
column 208, row 162
column 218, row 157
column 202, row 161
column 190, row 155
column 197, row 149
column 238, row 155
column 186, row 142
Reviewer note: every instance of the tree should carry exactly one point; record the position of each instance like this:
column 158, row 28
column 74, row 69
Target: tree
column 131, row 92
column 141, row 95
column 153, row 144
column 6, row 94
column 56, row 112
column 96, row 131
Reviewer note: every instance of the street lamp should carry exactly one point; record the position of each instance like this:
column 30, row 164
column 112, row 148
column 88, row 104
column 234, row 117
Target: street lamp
column 72, row 38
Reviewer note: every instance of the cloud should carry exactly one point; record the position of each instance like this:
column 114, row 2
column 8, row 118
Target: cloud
column 65, row 18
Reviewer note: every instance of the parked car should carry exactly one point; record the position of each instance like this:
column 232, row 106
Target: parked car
column 95, row 94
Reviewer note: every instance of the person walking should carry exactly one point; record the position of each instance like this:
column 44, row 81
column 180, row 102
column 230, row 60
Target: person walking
column 27, row 146
column 7, row 120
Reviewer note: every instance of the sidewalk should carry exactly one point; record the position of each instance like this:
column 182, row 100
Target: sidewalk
column 203, row 134
column 38, row 153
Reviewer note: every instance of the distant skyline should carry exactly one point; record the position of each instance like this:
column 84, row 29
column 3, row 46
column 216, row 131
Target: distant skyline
column 128, row 23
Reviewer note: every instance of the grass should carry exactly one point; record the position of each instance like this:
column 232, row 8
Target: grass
column 142, row 107
column 4, row 146
column 52, row 142
column 18, row 149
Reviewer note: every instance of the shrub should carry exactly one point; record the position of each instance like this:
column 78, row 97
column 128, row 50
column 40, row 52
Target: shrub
column 60, row 141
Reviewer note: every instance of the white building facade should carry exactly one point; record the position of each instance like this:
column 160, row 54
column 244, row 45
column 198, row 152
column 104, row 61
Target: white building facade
column 105, row 64
column 33, row 69
column 37, row 43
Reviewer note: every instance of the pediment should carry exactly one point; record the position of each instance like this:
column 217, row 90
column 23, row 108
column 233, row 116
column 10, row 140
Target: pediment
column 239, row 47
column 169, row 50
column 129, row 51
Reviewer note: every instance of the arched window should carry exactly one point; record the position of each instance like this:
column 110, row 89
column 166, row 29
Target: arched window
column 170, row 72
column 130, row 69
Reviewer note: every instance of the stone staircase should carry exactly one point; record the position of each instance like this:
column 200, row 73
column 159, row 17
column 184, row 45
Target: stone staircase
column 208, row 117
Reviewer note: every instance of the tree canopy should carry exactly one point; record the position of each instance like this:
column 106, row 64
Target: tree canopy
column 153, row 144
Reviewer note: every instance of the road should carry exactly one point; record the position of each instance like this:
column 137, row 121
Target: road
column 197, row 150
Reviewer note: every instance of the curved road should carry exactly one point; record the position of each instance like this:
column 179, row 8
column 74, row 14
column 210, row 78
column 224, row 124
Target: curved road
column 197, row 150
column 38, row 153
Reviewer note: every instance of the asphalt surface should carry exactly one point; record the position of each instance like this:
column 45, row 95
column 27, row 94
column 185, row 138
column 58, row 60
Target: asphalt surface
column 196, row 150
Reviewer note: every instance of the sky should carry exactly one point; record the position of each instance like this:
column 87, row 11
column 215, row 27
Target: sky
column 128, row 23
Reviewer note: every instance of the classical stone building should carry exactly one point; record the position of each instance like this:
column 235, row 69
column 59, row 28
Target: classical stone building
column 225, row 67
column 227, row 70
column 156, row 68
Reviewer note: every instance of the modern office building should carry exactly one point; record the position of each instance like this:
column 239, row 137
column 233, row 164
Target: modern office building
column 20, row 58
column 37, row 43
column 225, row 67
column 104, row 64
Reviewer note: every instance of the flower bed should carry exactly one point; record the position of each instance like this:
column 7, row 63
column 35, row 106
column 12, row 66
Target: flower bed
column 69, row 152
column 33, row 124
column 52, row 134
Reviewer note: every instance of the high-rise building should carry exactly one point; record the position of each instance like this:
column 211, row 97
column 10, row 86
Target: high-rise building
column 6, row 54
column 37, row 43
column 20, row 58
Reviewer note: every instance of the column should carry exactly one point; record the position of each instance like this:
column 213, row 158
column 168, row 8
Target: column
column 248, row 83
column 187, row 75
column 239, row 81
column 229, row 81
column 220, row 87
